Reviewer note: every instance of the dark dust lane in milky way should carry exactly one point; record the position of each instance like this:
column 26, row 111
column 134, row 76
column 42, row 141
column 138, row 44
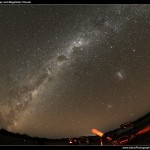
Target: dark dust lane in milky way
column 65, row 69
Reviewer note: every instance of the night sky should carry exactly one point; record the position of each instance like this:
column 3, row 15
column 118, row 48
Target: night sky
column 65, row 69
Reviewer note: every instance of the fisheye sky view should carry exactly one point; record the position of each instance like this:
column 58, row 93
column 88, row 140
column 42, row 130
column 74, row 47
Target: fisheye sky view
column 65, row 69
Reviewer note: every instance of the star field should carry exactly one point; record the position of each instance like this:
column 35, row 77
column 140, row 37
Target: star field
column 65, row 69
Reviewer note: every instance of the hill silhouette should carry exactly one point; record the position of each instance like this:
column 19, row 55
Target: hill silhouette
column 9, row 138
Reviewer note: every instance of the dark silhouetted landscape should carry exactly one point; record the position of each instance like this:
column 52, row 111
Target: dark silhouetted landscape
column 141, row 130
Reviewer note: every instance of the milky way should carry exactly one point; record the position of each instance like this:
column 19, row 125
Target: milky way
column 65, row 68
